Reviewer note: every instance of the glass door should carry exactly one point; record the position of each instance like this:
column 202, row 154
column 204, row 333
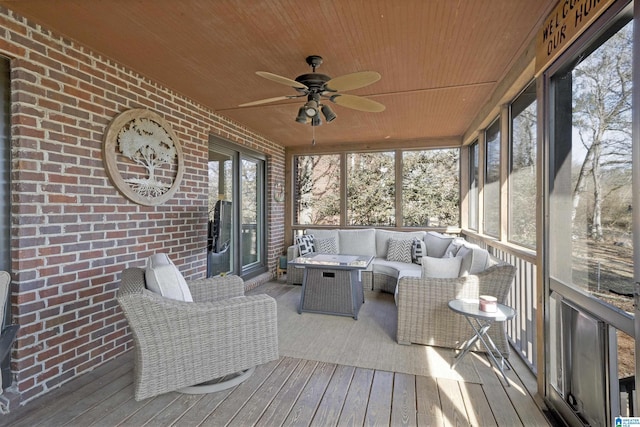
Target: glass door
column 220, row 247
column 252, row 224
column 237, row 233
column 590, row 334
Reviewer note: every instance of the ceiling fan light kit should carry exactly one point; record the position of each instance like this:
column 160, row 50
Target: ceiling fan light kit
column 315, row 86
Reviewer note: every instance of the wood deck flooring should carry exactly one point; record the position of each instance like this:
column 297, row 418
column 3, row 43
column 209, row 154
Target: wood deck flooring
column 291, row 391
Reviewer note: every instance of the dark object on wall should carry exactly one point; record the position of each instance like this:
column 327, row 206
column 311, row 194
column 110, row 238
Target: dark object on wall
column 219, row 239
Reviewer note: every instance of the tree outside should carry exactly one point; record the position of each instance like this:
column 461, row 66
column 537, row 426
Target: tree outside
column 371, row 189
column 431, row 188
column 522, row 176
column 601, row 178
column 317, row 189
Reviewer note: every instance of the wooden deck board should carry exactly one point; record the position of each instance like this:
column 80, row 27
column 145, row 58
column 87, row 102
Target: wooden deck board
column 121, row 413
column 403, row 406
column 476, row 405
column 494, row 388
column 328, row 412
column 169, row 415
column 201, row 410
column 56, row 400
column 305, row 408
column 429, row 410
column 251, row 413
column 291, row 391
column 241, row 394
column 355, row 406
column 527, row 409
column 88, row 401
column 103, row 408
column 145, row 413
column 281, row 405
column 379, row 408
column 453, row 410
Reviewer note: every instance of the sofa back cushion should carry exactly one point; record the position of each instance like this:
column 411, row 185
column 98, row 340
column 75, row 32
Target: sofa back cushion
column 437, row 244
column 164, row 278
column 383, row 236
column 357, row 242
column 474, row 259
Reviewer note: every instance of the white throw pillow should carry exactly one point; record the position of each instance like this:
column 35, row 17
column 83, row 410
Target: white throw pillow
column 164, row 278
column 441, row 268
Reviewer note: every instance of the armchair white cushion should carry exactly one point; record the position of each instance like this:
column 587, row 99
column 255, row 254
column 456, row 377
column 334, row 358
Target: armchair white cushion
column 164, row 278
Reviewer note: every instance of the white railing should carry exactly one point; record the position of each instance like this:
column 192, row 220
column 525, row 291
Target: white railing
column 522, row 329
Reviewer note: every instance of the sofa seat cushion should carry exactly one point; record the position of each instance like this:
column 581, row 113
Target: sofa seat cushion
column 163, row 277
column 357, row 242
column 406, row 273
column 395, row 268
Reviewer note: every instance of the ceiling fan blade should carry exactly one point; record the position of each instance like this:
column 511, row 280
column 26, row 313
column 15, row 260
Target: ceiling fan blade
column 282, row 80
column 266, row 101
column 352, row 81
column 357, row 103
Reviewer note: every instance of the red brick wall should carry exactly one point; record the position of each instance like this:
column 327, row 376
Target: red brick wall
column 72, row 231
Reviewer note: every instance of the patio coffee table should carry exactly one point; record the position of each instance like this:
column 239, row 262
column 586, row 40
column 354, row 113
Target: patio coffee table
column 331, row 283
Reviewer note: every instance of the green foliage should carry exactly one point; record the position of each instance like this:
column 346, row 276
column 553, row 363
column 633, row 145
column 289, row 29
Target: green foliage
column 431, row 188
column 371, row 189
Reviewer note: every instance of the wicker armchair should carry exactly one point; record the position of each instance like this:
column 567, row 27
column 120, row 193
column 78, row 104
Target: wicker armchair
column 181, row 344
column 424, row 316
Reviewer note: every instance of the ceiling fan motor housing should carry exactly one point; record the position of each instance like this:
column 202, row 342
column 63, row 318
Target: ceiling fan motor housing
column 313, row 81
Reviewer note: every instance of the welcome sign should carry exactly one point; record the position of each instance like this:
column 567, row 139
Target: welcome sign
column 563, row 26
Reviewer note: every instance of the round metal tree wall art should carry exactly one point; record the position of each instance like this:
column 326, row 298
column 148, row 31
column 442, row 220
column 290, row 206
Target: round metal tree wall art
column 143, row 157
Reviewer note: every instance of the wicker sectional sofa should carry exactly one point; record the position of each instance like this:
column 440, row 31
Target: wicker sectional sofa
column 451, row 268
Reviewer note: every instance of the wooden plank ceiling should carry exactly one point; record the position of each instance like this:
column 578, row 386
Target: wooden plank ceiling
column 439, row 59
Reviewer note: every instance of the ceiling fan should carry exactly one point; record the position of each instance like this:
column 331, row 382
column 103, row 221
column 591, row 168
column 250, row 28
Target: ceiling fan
column 317, row 87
